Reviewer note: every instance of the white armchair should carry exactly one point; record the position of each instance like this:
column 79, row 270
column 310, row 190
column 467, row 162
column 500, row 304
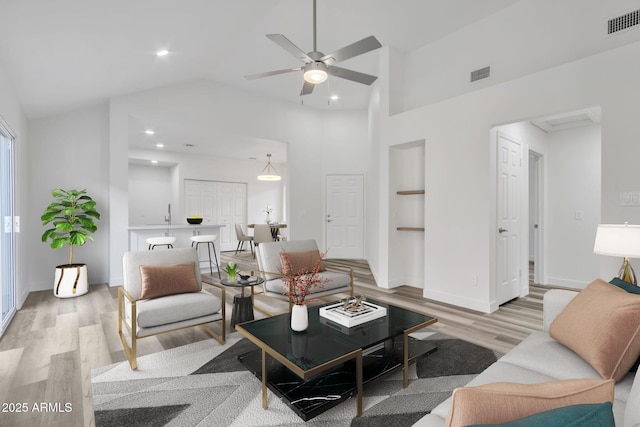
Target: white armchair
column 162, row 292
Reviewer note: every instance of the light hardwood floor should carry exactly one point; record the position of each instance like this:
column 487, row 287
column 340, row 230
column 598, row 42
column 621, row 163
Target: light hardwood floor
column 48, row 351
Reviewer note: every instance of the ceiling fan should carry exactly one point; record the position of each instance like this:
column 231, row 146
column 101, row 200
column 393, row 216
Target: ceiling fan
column 318, row 66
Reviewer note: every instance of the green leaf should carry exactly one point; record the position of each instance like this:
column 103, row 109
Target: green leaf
column 47, row 234
column 59, row 242
column 77, row 238
column 63, row 226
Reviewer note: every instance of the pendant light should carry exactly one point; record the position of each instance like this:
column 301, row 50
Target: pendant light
column 269, row 173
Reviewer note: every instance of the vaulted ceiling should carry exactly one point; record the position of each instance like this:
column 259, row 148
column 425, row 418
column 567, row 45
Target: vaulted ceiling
column 65, row 54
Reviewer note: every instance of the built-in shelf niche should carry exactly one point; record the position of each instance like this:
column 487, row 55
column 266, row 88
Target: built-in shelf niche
column 407, row 195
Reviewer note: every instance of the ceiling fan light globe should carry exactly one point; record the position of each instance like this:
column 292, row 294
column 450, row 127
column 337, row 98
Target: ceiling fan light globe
column 315, row 73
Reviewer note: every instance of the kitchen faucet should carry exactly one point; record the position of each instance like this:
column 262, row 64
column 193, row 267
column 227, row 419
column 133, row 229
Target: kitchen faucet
column 168, row 217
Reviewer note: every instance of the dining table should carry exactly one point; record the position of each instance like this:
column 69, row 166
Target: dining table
column 275, row 228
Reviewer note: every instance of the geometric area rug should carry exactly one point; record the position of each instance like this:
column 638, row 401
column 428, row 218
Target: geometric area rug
column 203, row 384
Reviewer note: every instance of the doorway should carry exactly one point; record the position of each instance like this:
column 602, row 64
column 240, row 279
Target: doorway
column 535, row 217
column 344, row 217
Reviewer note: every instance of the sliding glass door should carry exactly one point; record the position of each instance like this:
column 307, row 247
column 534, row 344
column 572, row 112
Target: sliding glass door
column 7, row 241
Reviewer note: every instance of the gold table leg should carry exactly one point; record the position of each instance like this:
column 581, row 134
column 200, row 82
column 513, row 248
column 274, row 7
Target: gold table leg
column 359, row 383
column 406, row 361
column 264, row 379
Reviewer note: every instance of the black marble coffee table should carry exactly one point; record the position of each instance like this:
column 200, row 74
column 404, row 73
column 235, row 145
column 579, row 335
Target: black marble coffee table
column 315, row 370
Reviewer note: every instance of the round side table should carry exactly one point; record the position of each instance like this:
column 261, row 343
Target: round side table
column 242, row 305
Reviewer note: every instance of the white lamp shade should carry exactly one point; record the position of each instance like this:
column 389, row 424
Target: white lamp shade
column 618, row 240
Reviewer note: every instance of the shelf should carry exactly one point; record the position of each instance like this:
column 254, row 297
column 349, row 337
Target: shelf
column 408, row 192
column 410, row 228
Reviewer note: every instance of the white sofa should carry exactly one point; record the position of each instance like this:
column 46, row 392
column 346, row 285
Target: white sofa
column 269, row 264
column 539, row 358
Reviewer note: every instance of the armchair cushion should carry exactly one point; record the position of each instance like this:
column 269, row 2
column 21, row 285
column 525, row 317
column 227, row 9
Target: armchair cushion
column 163, row 280
column 301, row 262
column 502, row 402
column 175, row 308
column 602, row 325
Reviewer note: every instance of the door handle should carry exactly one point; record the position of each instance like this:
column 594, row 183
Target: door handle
column 502, row 230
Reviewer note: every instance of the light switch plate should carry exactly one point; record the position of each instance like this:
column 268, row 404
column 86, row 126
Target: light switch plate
column 630, row 198
column 16, row 224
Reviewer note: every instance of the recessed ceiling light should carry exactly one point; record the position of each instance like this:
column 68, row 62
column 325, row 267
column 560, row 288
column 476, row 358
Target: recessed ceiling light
column 154, row 161
column 334, row 97
column 150, row 132
column 160, row 145
column 162, row 52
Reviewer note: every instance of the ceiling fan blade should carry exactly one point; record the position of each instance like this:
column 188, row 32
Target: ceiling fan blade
column 354, row 49
column 271, row 73
column 355, row 76
column 307, row 88
column 287, row 45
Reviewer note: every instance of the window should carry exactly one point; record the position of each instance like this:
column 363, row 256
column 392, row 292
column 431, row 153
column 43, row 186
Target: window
column 7, row 239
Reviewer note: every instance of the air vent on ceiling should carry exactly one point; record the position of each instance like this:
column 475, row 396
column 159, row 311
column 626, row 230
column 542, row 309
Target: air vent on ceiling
column 623, row 22
column 482, row 73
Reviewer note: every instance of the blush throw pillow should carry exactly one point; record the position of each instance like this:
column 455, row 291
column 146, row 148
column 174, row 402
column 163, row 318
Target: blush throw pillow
column 163, row 280
column 602, row 325
column 503, row 402
column 301, row 262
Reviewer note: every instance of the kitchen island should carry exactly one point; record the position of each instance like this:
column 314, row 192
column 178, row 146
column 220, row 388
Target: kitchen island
column 138, row 234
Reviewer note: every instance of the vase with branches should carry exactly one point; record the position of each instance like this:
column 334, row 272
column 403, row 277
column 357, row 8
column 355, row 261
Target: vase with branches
column 298, row 284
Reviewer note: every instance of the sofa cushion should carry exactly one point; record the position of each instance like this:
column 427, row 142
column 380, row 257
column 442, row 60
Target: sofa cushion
column 301, row 262
column 163, row 280
column 629, row 287
column 502, row 402
column 602, row 325
column 594, row 414
column 174, row 308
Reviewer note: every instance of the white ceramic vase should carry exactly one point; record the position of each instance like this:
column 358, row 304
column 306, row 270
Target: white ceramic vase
column 299, row 318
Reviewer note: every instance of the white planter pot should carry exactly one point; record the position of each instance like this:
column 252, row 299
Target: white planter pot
column 299, row 318
column 70, row 281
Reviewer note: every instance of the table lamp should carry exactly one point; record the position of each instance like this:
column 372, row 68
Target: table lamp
column 619, row 240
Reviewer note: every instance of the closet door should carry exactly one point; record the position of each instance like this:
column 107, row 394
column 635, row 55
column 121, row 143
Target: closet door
column 223, row 203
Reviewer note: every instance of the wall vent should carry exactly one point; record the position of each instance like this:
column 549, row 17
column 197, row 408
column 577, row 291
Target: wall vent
column 623, row 22
column 482, row 73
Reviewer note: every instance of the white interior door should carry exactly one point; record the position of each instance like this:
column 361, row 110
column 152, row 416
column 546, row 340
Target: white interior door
column 345, row 216
column 509, row 271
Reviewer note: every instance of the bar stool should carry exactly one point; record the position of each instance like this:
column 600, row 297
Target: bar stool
column 209, row 239
column 161, row 241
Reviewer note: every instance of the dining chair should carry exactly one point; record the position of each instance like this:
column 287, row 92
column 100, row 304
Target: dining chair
column 241, row 237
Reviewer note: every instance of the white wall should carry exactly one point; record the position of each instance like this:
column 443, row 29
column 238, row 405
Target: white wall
column 200, row 167
column 529, row 36
column 461, row 235
column 318, row 143
column 12, row 115
column 572, row 175
column 149, row 194
column 68, row 151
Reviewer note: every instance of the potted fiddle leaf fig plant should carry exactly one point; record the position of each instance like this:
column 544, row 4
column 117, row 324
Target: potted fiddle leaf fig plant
column 72, row 214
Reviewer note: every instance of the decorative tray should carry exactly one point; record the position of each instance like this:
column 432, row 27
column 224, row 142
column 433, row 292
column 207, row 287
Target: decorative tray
column 363, row 313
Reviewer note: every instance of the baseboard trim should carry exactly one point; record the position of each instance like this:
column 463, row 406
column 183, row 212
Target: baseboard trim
column 472, row 304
